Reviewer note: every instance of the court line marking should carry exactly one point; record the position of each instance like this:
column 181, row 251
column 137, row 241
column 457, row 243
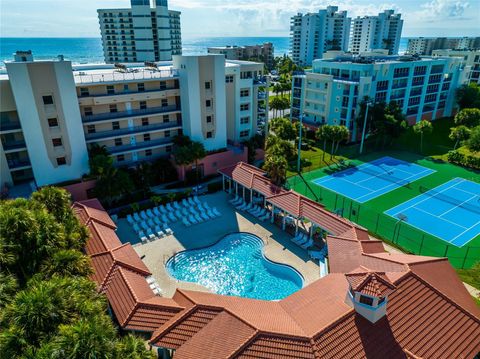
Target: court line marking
column 458, row 205
column 441, row 219
column 396, row 183
column 466, row 230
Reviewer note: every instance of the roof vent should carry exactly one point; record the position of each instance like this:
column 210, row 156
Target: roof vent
column 368, row 293
column 23, row 56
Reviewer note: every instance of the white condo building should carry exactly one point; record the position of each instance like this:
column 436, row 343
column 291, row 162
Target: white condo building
column 470, row 59
column 52, row 112
column 313, row 34
column 424, row 88
column 145, row 32
column 376, row 32
column 426, row 45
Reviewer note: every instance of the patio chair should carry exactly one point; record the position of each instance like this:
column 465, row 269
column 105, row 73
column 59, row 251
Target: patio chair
column 150, row 213
column 136, row 217
column 236, row 199
column 150, row 235
column 190, row 201
column 156, row 211
column 136, row 228
column 164, row 218
column 176, row 205
column 198, row 218
column 172, row 216
column 185, row 203
column 186, row 222
column 204, row 216
column 143, row 215
column 159, row 231
column 308, row 244
column 168, row 230
column 192, row 219
column 142, row 237
column 216, row 212
column 130, row 219
column 162, row 209
column 196, row 200
column 169, row 207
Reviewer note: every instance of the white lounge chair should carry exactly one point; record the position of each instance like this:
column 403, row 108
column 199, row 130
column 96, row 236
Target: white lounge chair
column 198, row 218
column 190, row 200
column 159, row 232
column 176, row 205
column 142, row 237
column 185, row 203
column 196, row 200
column 143, row 215
column 192, row 219
column 186, row 222
column 216, row 212
column 156, row 211
column 150, row 280
column 150, row 213
column 204, row 216
column 136, row 228
column 172, row 217
column 169, row 207
column 164, row 218
column 130, row 219
column 136, row 217
column 308, row 244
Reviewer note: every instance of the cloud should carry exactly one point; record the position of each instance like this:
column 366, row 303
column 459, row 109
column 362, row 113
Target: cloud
column 441, row 10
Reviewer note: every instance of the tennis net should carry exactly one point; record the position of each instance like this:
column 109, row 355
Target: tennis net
column 446, row 198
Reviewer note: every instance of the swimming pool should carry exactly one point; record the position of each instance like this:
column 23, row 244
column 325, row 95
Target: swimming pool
column 235, row 265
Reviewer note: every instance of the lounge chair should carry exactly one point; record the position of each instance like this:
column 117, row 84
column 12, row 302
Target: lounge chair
column 178, row 214
column 172, row 217
column 168, row 230
column 162, row 209
column 198, row 218
column 192, row 219
column 142, row 237
column 130, row 219
column 185, row 203
column 159, row 231
column 200, row 207
column 204, row 216
column 176, row 205
column 150, row 213
column 156, row 211
column 316, row 254
column 186, row 222
column 254, row 210
column 136, row 217
column 136, row 228
column 192, row 210
column 157, row 221
column 169, row 207
column 248, row 207
column 185, row 212
column 150, row 223
column 205, row 204
column 150, row 280
column 242, row 205
column 210, row 214
column 190, row 200
column 143, row 215
column 216, row 212
column 236, row 199
column 196, row 200
column 266, row 216
column 299, row 239
column 143, row 224
column 164, row 218
column 309, row 243
column 263, row 212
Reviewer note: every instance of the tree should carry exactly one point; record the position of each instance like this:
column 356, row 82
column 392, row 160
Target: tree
column 276, row 168
column 275, row 105
column 143, row 177
column 323, row 134
column 187, row 152
column 132, row 347
column 96, row 150
column 283, row 128
column 341, row 133
column 459, row 134
column 468, row 96
column 473, row 142
column 421, row 128
column 277, row 147
column 469, row 117
column 67, row 263
column 113, row 183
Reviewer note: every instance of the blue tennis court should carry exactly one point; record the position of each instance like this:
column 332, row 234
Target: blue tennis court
column 450, row 212
column 372, row 179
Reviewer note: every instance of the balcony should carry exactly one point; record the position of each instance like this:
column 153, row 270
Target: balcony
column 10, row 125
column 141, row 159
column 90, row 137
column 113, row 76
column 18, row 163
column 140, row 145
column 131, row 113
column 14, row 145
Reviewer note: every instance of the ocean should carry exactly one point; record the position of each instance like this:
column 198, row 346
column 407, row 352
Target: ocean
column 89, row 50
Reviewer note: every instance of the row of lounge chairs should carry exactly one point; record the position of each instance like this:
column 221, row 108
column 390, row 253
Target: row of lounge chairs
column 320, row 255
column 154, row 285
column 257, row 211
column 303, row 240
column 198, row 213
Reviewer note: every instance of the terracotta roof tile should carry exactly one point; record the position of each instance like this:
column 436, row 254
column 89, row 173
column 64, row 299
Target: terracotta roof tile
column 370, row 283
column 92, row 210
column 102, row 238
column 270, row 346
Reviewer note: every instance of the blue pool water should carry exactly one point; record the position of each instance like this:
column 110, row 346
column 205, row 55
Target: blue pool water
column 236, row 266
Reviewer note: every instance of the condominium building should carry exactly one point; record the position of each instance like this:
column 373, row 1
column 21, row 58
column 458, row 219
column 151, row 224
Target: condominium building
column 144, row 32
column 424, row 88
column 376, row 32
column 51, row 112
column 262, row 53
column 470, row 59
column 425, row 45
column 312, row 34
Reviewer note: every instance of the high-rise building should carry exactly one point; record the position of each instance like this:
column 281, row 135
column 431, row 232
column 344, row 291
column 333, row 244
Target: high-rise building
column 423, row 88
column 144, row 32
column 52, row 113
column 470, row 59
column 262, row 53
column 376, row 32
column 313, row 34
column 425, row 45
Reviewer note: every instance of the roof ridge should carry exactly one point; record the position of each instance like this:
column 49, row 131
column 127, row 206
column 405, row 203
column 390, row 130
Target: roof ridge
column 433, row 259
column 186, row 311
column 466, row 311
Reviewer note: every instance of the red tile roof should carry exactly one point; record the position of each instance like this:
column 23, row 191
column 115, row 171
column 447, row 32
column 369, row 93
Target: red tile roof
column 429, row 312
column 92, row 210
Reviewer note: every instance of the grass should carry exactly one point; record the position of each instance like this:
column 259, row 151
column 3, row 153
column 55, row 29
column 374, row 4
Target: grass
column 471, row 276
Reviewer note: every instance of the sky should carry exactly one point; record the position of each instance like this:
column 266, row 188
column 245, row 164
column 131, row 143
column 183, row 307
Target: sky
column 222, row 18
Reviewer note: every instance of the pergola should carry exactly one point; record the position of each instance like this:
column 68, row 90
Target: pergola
column 249, row 180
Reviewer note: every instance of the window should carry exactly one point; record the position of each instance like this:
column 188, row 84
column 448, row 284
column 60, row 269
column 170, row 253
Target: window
column 209, row 119
column 118, row 142
column 88, row 111
column 57, row 142
column 208, row 103
column 145, row 121
column 148, row 152
column 167, row 133
column 113, row 108
column 366, row 300
column 245, row 120
column 91, row 129
column 115, row 125
column 52, row 122
column 110, row 90
column 345, row 101
column 163, row 85
column 208, row 85
column 166, row 118
column 164, row 102
column 244, row 93
column 47, row 100
column 229, row 79
column 143, row 105
column 61, row 161
column 382, row 85
column 209, row 134
column 84, row 91
column 400, row 72
column 125, row 87
column 381, row 300
column 146, row 137
column 244, row 133
column 141, row 87
column 420, row 70
column 120, row 158
column 244, row 107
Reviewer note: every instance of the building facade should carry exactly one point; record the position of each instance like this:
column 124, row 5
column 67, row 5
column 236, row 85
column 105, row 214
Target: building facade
column 331, row 93
column 140, row 33
column 470, row 59
column 262, row 53
column 134, row 111
column 425, row 45
column 313, row 34
column 383, row 31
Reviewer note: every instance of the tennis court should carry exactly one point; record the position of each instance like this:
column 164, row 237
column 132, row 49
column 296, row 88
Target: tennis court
column 450, row 211
column 370, row 180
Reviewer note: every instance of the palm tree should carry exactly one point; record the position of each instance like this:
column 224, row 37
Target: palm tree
column 322, row 135
column 421, row 128
column 190, row 152
column 276, row 168
column 341, row 134
column 459, row 134
column 8, row 289
column 132, row 347
column 67, row 262
column 56, row 200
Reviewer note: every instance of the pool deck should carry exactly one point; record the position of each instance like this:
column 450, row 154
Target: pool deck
column 278, row 246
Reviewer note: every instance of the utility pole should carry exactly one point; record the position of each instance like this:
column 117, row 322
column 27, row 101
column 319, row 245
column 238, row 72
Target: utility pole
column 364, row 127
column 267, row 105
column 299, row 142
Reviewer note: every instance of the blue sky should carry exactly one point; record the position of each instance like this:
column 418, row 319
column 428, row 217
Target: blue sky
column 78, row 18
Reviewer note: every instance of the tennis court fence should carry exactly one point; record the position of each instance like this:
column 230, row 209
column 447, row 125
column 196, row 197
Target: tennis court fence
column 392, row 230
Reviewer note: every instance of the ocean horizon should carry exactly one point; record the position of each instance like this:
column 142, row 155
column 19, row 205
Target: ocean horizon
column 89, row 49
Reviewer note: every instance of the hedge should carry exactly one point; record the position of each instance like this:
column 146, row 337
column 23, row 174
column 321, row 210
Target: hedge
column 463, row 160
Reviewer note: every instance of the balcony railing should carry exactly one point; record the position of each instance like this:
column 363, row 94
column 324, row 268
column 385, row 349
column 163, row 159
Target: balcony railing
column 7, row 126
column 140, row 145
column 13, row 145
column 17, row 163
column 141, row 159
column 128, row 92
column 131, row 113
column 111, row 76
column 131, row 130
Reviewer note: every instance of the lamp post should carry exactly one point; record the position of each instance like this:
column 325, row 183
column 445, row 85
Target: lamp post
column 364, row 126
column 300, row 118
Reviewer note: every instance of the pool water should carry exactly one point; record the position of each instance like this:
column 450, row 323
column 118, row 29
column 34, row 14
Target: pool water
column 236, row 266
